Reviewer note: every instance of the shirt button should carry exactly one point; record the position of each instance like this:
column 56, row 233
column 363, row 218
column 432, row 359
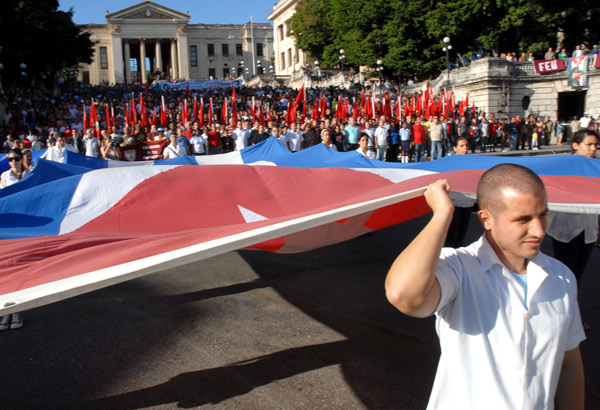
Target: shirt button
column 527, row 316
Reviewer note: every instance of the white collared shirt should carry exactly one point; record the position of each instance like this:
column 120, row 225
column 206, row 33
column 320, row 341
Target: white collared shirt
column 500, row 351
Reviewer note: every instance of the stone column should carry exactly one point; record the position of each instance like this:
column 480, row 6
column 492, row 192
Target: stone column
column 184, row 60
column 116, row 74
column 159, row 65
column 175, row 70
column 142, row 66
column 126, row 45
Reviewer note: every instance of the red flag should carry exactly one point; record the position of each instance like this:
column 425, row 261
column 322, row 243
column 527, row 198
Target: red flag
column 195, row 109
column 355, row 108
column 85, row 119
column 224, row 111
column 163, row 111
column 201, row 113
column 210, row 112
column 154, row 116
column 323, row 107
column 253, row 112
column 184, row 112
column 133, row 110
column 346, row 108
column 261, row 117
column 94, row 123
column 233, row 107
column 107, row 113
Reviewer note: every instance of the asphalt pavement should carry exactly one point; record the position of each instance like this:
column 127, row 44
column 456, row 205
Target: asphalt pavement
column 246, row 330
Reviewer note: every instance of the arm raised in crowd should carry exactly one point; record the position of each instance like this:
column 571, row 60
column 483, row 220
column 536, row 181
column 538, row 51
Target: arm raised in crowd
column 411, row 285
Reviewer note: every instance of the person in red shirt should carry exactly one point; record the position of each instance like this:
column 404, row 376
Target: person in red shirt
column 419, row 137
column 214, row 140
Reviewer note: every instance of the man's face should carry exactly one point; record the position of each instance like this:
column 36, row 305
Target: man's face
column 517, row 228
column 60, row 141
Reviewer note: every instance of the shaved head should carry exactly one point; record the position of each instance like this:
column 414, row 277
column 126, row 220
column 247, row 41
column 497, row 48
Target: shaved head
column 506, row 177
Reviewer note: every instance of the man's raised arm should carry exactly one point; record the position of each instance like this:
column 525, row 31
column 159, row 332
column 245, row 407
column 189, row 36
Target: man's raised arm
column 411, row 285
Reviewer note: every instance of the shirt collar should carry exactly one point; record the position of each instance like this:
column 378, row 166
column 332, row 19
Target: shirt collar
column 488, row 258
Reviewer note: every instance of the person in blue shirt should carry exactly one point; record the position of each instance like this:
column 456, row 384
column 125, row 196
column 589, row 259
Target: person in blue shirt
column 392, row 152
column 513, row 133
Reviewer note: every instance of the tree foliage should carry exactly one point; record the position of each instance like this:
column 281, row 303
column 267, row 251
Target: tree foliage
column 36, row 33
column 407, row 34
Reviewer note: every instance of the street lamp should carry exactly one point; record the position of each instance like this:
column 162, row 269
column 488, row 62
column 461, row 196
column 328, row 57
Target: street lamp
column 259, row 67
column 447, row 48
column 342, row 58
column 380, row 69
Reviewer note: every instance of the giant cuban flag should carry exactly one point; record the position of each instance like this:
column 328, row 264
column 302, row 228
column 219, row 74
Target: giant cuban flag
column 72, row 228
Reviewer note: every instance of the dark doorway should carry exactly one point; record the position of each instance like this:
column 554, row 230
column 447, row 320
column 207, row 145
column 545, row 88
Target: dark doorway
column 570, row 104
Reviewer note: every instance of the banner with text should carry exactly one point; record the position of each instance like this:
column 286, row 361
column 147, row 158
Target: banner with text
column 549, row 66
column 144, row 151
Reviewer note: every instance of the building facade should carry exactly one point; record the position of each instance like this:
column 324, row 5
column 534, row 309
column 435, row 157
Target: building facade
column 148, row 41
column 288, row 58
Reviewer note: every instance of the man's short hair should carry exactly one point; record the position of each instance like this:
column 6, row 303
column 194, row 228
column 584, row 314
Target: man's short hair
column 506, row 176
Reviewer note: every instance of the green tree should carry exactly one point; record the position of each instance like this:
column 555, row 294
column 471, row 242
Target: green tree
column 407, row 34
column 36, row 33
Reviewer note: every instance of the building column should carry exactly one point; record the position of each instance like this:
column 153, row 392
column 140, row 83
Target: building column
column 116, row 74
column 126, row 45
column 157, row 51
column 142, row 66
column 184, row 60
column 174, row 68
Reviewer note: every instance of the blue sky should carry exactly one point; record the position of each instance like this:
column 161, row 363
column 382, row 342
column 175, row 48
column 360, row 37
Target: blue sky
column 201, row 11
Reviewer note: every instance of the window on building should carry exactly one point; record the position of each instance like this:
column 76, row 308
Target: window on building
column 289, row 55
column 225, row 72
column 193, row 56
column 282, row 61
column 103, row 57
column 225, row 50
column 211, row 50
column 212, row 73
column 239, row 50
column 280, row 31
column 259, row 50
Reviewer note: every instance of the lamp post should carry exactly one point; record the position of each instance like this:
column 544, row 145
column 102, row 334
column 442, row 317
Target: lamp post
column 380, row 69
column 259, row 67
column 233, row 72
column 447, row 48
column 342, row 58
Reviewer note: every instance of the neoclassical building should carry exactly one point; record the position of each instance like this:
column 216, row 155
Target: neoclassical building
column 288, row 57
column 148, row 40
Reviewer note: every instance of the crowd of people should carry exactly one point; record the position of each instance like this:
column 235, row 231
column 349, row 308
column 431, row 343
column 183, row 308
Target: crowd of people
column 58, row 124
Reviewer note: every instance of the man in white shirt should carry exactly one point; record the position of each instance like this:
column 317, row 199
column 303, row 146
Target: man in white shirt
column 294, row 138
column 584, row 122
column 199, row 144
column 506, row 314
column 241, row 135
column 174, row 149
column 57, row 152
column 381, row 139
column 91, row 144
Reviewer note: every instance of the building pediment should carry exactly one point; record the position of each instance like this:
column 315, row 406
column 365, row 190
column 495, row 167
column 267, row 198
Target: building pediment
column 147, row 11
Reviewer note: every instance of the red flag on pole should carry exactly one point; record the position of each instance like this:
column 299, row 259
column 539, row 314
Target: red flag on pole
column 133, row 110
column 201, row 113
column 195, row 109
column 107, row 113
column 154, row 116
column 224, row 111
column 184, row 112
column 233, row 107
column 253, row 111
column 163, row 111
column 210, row 112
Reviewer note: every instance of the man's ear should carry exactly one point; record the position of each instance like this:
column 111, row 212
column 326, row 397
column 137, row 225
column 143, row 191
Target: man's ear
column 486, row 219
